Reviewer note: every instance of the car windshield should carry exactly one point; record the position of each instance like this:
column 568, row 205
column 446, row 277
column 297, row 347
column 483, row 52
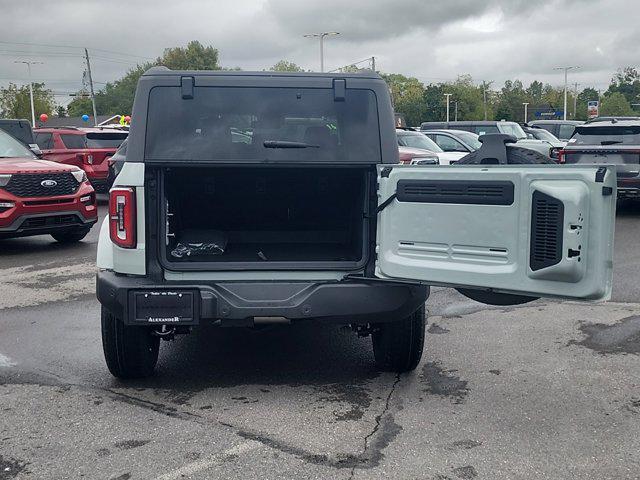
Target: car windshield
column 11, row 148
column 511, row 128
column 418, row 140
column 470, row 139
column 259, row 123
column 105, row 139
column 606, row 135
column 542, row 134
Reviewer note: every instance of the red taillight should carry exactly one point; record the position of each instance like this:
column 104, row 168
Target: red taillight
column 560, row 158
column 122, row 216
column 85, row 158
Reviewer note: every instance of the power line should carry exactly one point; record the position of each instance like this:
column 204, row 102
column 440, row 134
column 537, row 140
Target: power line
column 76, row 47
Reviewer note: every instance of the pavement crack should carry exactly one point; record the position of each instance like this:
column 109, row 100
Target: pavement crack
column 154, row 406
column 383, row 433
column 372, row 452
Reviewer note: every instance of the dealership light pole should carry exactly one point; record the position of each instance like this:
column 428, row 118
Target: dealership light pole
column 448, row 95
column 321, row 37
column 526, row 104
column 33, row 111
column 566, row 69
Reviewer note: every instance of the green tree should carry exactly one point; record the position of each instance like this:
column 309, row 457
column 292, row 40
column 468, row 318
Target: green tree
column 117, row 97
column 510, row 100
column 285, row 66
column 615, row 104
column 433, row 103
column 194, row 56
column 80, row 105
column 469, row 99
column 15, row 101
column 407, row 94
column 627, row 82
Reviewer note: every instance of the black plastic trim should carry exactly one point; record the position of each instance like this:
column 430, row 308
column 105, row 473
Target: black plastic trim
column 547, row 220
column 480, row 192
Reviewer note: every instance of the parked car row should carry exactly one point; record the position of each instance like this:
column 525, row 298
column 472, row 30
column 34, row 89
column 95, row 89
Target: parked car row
column 49, row 178
column 42, row 197
column 600, row 141
column 87, row 148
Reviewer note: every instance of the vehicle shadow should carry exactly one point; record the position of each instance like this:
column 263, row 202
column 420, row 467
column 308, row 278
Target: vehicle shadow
column 304, row 354
column 41, row 244
column 628, row 208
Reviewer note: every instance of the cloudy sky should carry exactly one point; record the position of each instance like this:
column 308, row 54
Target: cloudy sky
column 435, row 41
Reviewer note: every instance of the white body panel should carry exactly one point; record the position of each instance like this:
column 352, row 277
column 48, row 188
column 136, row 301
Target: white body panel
column 489, row 246
column 446, row 158
column 126, row 260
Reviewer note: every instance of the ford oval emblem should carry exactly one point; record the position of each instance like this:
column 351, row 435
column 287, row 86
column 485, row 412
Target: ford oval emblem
column 48, row 183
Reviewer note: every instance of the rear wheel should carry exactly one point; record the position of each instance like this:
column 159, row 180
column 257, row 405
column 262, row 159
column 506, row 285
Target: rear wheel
column 397, row 346
column 130, row 351
column 70, row 236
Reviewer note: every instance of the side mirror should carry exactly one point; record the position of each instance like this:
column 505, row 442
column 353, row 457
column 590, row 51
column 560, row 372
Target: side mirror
column 35, row 149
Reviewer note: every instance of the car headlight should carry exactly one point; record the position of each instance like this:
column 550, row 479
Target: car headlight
column 4, row 179
column 425, row 161
column 79, row 175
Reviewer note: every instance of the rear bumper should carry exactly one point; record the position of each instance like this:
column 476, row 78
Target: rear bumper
column 239, row 303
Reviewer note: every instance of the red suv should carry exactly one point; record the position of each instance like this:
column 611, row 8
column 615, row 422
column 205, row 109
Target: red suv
column 87, row 148
column 41, row 197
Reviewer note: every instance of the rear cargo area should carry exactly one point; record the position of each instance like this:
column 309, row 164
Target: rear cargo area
column 221, row 217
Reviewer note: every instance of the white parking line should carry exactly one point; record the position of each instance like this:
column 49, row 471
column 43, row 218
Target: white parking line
column 6, row 361
column 217, row 459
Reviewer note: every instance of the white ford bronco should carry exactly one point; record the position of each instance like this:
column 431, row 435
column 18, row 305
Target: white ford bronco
column 260, row 198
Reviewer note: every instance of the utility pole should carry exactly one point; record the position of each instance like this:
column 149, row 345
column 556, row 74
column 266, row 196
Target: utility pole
column 526, row 104
column 93, row 97
column 33, row 110
column 373, row 63
column 321, row 37
column 575, row 100
column 447, row 95
column 566, row 69
column 456, row 110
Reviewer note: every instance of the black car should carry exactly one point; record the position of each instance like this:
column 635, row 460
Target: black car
column 20, row 129
column 454, row 140
column 561, row 129
column 609, row 142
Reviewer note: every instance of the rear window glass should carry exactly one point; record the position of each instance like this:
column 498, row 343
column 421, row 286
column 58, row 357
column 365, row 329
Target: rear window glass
column 44, row 141
column 566, row 130
column 231, row 123
column 606, row 135
column 482, row 129
column 74, row 141
column 105, row 139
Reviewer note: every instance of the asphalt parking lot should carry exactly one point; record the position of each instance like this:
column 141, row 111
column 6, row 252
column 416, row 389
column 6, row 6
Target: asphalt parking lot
column 545, row 390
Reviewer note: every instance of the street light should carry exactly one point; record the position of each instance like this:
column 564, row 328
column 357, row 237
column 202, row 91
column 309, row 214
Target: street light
column 525, row 110
column 321, row 37
column 33, row 111
column 566, row 69
column 448, row 95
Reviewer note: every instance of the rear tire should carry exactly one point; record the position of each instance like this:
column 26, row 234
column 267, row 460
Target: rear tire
column 130, row 351
column 71, row 236
column 397, row 346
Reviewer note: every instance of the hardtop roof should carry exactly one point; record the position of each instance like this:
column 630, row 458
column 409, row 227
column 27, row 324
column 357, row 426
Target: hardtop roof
column 164, row 72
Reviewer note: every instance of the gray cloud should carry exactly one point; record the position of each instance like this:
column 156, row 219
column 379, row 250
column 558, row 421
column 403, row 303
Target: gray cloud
column 432, row 40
